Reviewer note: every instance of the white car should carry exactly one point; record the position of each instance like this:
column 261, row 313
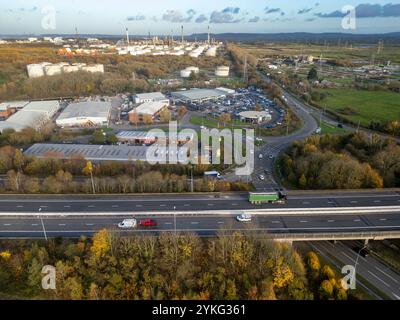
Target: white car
column 128, row 224
column 261, row 177
column 260, row 156
column 271, row 156
column 244, row 217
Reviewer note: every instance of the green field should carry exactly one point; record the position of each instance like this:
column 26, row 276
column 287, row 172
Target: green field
column 363, row 106
column 327, row 128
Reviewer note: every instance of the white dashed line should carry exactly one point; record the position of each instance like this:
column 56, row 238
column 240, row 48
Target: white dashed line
column 194, row 223
column 20, row 206
column 379, row 279
column 115, row 206
column 34, row 224
column 90, row 224
column 331, row 221
column 7, row 224
column 383, row 219
column 303, row 221
column 356, row 220
column 168, row 223
column 221, row 222
column 61, row 224
column 67, row 206
column 276, row 222
column 91, row 206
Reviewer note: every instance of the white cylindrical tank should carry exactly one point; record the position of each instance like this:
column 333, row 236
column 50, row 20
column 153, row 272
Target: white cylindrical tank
column 52, row 70
column 185, row 73
column 35, row 70
column 193, row 69
column 212, row 52
column 222, row 71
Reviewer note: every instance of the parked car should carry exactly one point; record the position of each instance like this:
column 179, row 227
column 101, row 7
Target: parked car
column 128, row 224
column 261, row 177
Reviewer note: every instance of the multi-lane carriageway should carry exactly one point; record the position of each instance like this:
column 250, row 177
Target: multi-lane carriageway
column 205, row 214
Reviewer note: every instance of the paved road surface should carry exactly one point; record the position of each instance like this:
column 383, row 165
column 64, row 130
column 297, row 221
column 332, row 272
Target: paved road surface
column 368, row 268
column 187, row 202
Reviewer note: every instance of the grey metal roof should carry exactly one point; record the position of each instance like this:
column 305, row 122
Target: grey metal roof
column 96, row 109
column 199, row 94
column 102, row 152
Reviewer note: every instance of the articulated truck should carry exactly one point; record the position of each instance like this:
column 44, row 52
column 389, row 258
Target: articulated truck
column 267, row 197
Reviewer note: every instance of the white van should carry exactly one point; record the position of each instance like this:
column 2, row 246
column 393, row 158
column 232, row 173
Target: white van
column 128, row 224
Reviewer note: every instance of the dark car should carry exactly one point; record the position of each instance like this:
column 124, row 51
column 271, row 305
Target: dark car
column 364, row 252
column 340, row 125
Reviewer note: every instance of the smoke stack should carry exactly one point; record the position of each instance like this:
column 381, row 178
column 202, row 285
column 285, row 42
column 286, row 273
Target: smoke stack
column 182, row 34
column 208, row 39
column 127, row 37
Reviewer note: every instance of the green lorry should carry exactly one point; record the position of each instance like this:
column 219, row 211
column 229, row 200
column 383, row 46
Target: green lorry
column 267, row 197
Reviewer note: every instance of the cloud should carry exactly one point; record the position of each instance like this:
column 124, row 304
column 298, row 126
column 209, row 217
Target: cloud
column 136, row 18
column 367, row 10
column 176, row 16
column 305, row 10
column 223, row 17
column 272, row 10
column 254, row 20
column 234, row 10
column 191, row 12
column 32, row 9
column 201, row 18
column 309, row 19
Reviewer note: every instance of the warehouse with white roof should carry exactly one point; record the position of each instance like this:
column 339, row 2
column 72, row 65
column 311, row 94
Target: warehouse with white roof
column 33, row 115
column 151, row 109
column 150, row 97
column 85, row 114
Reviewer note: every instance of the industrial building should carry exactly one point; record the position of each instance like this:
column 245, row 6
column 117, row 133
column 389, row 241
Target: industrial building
column 186, row 73
column 148, row 138
column 150, row 97
column 49, row 69
column 9, row 108
column 200, row 95
column 98, row 153
column 222, row 71
column 255, row 116
column 85, row 114
column 33, row 115
column 151, row 109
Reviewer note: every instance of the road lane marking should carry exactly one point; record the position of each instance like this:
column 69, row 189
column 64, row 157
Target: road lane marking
column 306, row 202
column 379, row 279
column 7, row 224
column 61, row 224
column 20, row 206
column 34, row 224
column 67, row 206
column 331, row 220
column 303, row 221
column 139, row 205
column 163, row 205
column 276, row 222
column 234, row 204
column 377, row 201
column 168, row 223
column 210, row 204
column 353, row 201
column 356, row 220
column 387, row 275
column 91, row 206
column 44, row 206
column 115, row 206
column 382, row 219
column 90, row 224
column 221, row 222
column 186, row 205
column 194, row 222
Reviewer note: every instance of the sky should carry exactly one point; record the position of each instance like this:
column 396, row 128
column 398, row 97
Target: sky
column 166, row 16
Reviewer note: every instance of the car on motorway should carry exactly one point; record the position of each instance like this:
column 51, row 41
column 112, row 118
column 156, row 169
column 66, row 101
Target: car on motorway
column 244, row 217
column 363, row 252
column 261, row 177
column 128, row 224
column 148, row 223
column 266, row 171
column 339, row 125
column 260, row 156
column 271, row 156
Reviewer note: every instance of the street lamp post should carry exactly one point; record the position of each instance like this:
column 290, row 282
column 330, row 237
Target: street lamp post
column 174, row 219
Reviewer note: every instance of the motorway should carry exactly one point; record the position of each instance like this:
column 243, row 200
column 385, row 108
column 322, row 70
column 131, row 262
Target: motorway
column 374, row 272
column 202, row 214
